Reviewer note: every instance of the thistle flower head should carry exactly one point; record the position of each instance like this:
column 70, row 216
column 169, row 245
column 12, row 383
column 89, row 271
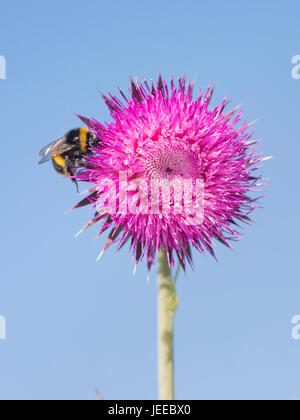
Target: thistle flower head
column 170, row 172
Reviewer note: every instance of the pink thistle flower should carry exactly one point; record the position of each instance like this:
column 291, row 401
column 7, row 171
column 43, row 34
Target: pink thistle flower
column 161, row 136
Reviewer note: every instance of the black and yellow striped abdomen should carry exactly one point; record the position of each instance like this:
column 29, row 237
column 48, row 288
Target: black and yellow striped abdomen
column 59, row 163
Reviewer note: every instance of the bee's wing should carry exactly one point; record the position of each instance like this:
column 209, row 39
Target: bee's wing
column 53, row 149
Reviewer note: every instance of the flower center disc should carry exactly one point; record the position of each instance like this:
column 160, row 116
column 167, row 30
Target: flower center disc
column 170, row 163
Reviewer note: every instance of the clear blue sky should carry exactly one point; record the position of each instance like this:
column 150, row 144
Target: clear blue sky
column 73, row 323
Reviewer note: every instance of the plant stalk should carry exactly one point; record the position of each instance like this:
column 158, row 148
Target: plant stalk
column 166, row 309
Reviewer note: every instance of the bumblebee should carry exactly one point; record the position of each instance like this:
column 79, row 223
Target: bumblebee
column 67, row 153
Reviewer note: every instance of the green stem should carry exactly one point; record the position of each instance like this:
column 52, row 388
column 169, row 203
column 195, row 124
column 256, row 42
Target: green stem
column 165, row 329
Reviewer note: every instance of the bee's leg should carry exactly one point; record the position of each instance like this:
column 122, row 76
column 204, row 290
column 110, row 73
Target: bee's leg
column 76, row 183
column 72, row 172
